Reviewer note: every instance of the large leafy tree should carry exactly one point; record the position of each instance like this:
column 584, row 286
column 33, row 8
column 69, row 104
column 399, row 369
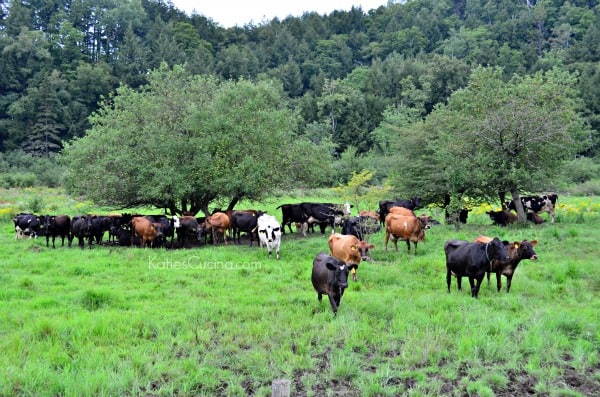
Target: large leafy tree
column 494, row 137
column 183, row 142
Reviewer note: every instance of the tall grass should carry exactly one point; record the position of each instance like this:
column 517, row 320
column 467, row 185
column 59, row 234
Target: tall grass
column 228, row 320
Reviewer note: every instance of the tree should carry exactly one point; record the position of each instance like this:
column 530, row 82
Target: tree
column 183, row 142
column 496, row 137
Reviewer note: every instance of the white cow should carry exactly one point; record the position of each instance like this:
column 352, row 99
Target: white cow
column 269, row 233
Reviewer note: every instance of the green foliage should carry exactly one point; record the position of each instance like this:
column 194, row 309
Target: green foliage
column 580, row 170
column 189, row 140
column 360, row 192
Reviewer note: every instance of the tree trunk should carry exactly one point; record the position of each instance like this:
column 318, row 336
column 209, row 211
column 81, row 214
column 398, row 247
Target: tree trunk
column 521, row 215
column 233, row 202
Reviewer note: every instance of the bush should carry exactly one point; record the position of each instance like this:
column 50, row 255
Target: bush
column 580, row 170
column 18, row 179
column 589, row 188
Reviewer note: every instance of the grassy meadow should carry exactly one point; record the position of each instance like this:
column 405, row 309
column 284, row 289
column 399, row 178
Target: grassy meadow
column 228, row 320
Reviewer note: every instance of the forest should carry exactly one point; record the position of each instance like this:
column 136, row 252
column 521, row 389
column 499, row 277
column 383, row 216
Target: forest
column 361, row 85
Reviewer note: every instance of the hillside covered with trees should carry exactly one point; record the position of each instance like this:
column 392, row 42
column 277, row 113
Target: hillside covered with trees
column 362, row 86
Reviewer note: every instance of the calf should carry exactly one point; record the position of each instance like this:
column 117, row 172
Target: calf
column 408, row 228
column 330, row 277
column 57, row 225
column 516, row 252
column 269, row 233
column 472, row 260
column 349, row 249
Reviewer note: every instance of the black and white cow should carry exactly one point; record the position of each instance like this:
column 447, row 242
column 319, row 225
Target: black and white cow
column 27, row 225
column 269, row 233
column 537, row 204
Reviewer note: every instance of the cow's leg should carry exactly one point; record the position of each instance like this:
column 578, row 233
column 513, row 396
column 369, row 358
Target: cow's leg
column 459, row 282
column 334, row 305
column 472, row 284
column 416, row 242
column 475, row 290
column 551, row 212
column 53, row 238
column 508, row 283
column 408, row 245
column 449, row 277
column 387, row 237
column 499, row 280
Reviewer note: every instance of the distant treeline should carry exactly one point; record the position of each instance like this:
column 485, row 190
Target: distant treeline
column 340, row 71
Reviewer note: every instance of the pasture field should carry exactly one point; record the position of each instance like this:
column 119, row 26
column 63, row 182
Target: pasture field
column 228, row 320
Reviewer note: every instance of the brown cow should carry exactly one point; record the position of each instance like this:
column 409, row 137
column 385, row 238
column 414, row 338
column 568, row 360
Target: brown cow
column 407, row 212
column 401, row 227
column 401, row 211
column 516, row 252
column 143, row 228
column 218, row 223
column 349, row 249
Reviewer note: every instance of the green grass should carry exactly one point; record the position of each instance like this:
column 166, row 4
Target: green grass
column 229, row 320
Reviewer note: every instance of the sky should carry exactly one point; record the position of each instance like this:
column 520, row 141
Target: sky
column 229, row 13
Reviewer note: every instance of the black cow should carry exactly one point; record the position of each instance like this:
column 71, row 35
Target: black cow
column 322, row 214
column 502, row 217
column 186, row 227
column 28, row 225
column 537, row 204
column 290, row 213
column 330, row 277
column 473, row 260
column 57, row 225
column 165, row 229
column 246, row 222
column 360, row 226
column 385, row 205
column 81, row 227
column 100, row 225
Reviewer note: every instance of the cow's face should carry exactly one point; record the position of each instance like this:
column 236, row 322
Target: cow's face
column 525, row 249
column 341, row 271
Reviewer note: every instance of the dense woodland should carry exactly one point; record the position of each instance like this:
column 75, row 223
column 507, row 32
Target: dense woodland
column 351, row 77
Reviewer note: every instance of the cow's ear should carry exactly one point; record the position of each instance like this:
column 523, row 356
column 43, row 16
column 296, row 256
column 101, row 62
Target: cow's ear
column 370, row 246
column 516, row 244
column 533, row 242
column 353, row 266
column 331, row 265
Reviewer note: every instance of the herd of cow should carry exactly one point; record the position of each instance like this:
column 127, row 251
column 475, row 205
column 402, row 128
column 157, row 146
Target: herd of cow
column 347, row 249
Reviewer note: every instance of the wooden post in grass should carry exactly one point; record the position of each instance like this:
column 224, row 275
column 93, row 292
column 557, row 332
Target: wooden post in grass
column 280, row 388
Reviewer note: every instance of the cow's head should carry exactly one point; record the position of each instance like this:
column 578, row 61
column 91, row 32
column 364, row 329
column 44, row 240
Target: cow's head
column 339, row 274
column 525, row 249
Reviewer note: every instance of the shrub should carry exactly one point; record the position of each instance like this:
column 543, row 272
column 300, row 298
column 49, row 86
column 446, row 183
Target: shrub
column 580, row 170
